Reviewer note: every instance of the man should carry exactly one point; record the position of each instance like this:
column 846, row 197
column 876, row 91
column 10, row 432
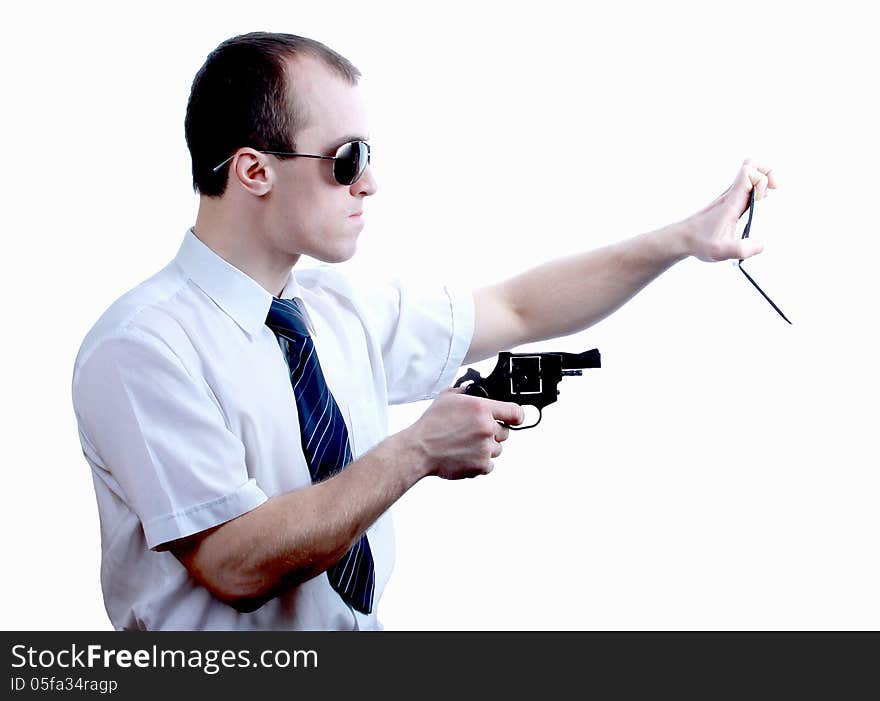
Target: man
column 216, row 438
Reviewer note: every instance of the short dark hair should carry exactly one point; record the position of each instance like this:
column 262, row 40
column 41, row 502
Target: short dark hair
column 240, row 97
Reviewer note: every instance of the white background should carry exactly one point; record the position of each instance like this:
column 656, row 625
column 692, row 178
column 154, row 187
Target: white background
column 719, row 472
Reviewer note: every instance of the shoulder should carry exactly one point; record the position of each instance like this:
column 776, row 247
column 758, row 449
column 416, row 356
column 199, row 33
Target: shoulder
column 147, row 317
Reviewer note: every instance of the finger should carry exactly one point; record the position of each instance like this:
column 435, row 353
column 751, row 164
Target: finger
column 760, row 177
column 772, row 177
column 501, row 432
column 496, row 450
column 509, row 412
column 752, row 178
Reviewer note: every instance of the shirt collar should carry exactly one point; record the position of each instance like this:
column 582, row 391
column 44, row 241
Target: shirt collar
column 241, row 297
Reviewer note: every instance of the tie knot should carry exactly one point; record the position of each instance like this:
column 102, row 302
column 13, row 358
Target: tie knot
column 286, row 318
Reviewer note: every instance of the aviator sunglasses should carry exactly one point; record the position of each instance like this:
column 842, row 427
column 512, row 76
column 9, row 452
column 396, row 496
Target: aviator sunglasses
column 349, row 163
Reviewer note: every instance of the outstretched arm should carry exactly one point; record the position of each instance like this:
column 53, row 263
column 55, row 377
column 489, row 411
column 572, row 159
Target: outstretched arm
column 570, row 294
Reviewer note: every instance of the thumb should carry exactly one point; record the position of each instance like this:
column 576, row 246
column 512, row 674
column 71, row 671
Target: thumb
column 453, row 390
column 746, row 248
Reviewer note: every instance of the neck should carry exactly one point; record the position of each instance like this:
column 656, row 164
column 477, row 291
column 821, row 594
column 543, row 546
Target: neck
column 243, row 242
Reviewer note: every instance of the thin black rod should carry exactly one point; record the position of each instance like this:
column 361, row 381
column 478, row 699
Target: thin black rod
column 749, row 278
column 745, row 235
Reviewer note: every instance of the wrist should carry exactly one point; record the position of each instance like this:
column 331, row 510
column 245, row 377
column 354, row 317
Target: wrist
column 678, row 239
column 409, row 455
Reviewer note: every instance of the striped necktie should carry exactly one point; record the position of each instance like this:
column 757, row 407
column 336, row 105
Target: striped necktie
column 324, row 440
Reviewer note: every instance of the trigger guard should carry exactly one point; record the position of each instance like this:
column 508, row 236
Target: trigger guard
column 522, row 428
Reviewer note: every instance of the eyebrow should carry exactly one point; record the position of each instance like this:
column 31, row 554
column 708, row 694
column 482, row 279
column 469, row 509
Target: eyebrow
column 345, row 139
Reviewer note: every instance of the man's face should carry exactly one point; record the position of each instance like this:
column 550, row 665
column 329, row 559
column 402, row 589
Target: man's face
column 315, row 215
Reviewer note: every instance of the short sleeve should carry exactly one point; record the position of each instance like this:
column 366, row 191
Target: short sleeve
column 162, row 437
column 424, row 331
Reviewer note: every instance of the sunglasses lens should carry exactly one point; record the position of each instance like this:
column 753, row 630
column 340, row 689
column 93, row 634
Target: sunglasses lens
column 351, row 161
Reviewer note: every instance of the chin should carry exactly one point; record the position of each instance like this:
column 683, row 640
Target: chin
column 338, row 255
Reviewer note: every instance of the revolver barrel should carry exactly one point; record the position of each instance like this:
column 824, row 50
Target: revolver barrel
column 587, row 359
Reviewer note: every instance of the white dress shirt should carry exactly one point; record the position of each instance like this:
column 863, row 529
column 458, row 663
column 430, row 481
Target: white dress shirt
column 187, row 418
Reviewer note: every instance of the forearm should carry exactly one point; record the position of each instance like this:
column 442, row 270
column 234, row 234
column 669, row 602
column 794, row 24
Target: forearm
column 296, row 536
column 567, row 295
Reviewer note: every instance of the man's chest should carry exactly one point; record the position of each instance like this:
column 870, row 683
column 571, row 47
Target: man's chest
column 250, row 382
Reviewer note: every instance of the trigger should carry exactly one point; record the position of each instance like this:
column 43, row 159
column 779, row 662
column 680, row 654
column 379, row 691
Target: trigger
column 520, row 428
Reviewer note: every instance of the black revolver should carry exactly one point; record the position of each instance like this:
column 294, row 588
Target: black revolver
column 528, row 378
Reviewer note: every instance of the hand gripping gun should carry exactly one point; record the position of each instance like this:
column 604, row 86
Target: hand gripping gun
column 528, row 378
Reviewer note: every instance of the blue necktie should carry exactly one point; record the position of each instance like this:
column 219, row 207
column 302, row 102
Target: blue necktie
column 324, row 440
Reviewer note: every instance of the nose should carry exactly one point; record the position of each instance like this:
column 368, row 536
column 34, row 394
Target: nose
column 366, row 184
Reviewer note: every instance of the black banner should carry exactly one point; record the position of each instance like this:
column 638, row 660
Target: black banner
column 238, row 665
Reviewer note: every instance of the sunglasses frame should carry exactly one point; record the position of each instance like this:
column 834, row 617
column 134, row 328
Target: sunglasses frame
column 745, row 235
column 335, row 158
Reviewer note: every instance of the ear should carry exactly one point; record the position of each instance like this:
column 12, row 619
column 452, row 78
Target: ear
column 252, row 170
